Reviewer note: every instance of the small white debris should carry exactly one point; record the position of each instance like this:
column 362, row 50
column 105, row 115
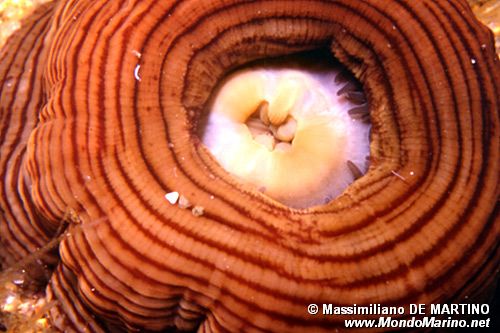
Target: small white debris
column 136, row 72
column 473, row 61
column 137, row 54
column 18, row 281
column 10, row 299
column 412, row 173
column 172, row 197
column 10, row 304
column 198, row 211
column 398, row 175
column 184, row 202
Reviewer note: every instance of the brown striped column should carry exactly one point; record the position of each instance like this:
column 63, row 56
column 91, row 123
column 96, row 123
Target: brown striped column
column 128, row 81
column 22, row 63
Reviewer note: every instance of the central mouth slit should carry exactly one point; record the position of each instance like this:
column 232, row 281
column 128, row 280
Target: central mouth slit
column 276, row 131
column 296, row 129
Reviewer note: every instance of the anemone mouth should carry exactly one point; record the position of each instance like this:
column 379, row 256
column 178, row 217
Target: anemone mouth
column 295, row 128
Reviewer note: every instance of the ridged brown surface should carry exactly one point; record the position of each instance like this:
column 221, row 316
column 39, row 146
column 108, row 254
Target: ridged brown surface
column 421, row 226
column 22, row 63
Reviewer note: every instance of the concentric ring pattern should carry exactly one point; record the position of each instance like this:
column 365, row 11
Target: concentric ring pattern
column 125, row 86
